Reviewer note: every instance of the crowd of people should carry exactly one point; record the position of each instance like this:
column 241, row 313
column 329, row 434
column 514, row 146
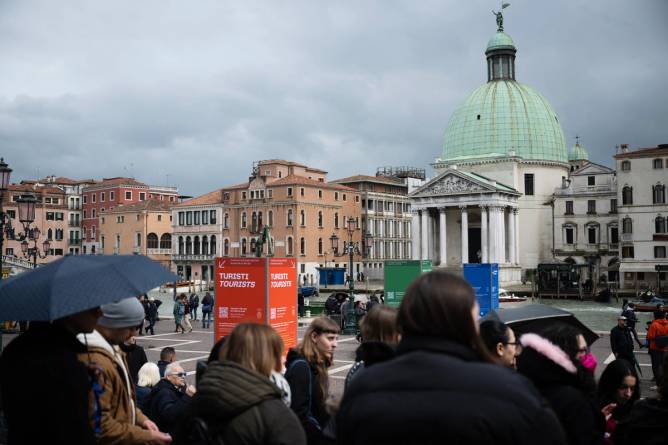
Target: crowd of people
column 427, row 372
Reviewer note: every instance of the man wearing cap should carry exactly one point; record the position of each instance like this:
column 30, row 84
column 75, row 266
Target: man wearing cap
column 113, row 412
column 621, row 341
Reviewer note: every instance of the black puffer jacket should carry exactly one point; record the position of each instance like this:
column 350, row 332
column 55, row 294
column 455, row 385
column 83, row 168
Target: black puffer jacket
column 368, row 354
column 307, row 398
column 167, row 405
column 243, row 407
column 436, row 391
column 567, row 393
column 646, row 425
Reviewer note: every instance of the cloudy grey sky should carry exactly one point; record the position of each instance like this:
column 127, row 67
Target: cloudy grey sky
column 191, row 92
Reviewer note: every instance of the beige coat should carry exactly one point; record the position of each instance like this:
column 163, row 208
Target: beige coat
column 121, row 421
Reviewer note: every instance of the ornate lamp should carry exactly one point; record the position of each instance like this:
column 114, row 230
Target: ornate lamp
column 334, row 240
column 5, row 174
column 27, row 204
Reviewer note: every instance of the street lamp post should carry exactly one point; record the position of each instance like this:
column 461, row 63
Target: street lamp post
column 5, row 221
column 27, row 203
column 350, row 248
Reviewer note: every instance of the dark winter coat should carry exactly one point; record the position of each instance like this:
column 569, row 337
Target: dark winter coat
column 567, row 393
column 45, row 387
column 437, row 391
column 244, row 407
column 194, row 301
column 167, row 405
column 646, row 425
column 162, row 365
column 136, row 357
column 143, row 397
column 368, row 354
column 621, row 343
column 307, row 398
column 207, row 301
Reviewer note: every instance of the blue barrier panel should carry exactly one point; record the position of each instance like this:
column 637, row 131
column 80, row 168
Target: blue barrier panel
column 484, row 278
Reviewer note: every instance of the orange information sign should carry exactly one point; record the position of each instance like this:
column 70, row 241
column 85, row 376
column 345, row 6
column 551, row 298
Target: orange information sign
column 258, row 290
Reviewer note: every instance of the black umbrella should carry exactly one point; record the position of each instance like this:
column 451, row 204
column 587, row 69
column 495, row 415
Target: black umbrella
column 534, row 317
column 76, row 283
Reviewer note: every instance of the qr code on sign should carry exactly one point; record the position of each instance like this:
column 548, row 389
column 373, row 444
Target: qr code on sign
column 223, row 312
column 273, row 313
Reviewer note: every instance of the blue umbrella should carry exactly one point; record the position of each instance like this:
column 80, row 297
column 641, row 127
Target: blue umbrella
column 76, row 283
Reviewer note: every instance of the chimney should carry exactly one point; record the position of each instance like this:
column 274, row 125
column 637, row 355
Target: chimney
column 624, row 148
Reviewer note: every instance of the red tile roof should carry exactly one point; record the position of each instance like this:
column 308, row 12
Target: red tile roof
column 660, row 150
column 291, row 164
column 213, row 197
column 150, row 205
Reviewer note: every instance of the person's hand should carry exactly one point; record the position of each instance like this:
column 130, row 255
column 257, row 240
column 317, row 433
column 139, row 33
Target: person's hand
column 150, row 425
column 190, row 390
column 607, row 410
column 158, row 438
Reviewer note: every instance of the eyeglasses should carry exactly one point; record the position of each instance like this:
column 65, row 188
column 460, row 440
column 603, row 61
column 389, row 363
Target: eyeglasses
column 179, row 374
column 517, row 344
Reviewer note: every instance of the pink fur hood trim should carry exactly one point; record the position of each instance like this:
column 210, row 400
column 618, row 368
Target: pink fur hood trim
column 549, row 350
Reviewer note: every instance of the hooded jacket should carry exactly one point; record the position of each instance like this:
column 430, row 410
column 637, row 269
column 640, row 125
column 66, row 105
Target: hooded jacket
column 121, row 419
column 437, row 391
column 658, row 328
column 560, row 382
column 368, row 354
column 244, row 407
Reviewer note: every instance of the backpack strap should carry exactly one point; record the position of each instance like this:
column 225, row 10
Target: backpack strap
column 309, row 414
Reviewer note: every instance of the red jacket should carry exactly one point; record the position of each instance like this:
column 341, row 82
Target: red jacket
column 658, row 328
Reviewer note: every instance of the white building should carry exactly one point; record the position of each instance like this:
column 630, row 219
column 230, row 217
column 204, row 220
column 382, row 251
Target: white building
column 641, row 193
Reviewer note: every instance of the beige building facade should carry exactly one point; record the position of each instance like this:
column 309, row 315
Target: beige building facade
column 302, row 209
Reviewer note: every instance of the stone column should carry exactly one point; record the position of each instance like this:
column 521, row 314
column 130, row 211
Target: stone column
column 517, row 235
column 491, row 234
column 415, row 235
column 484, row 235
column 465, row 235
column 502, row 235
column 424, row 235
column 443, row 252
column 431, row 254
column 511, row 236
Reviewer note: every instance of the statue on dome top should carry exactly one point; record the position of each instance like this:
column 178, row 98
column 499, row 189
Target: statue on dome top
column 499, row 16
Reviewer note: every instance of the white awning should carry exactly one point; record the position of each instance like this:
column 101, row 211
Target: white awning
column 636, row 267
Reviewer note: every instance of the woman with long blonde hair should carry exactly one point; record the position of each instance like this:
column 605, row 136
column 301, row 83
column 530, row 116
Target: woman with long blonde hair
column 307, row 375
column 236, row 399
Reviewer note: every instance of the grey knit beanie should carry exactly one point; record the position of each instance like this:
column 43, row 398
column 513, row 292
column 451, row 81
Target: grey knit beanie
column 122, row 314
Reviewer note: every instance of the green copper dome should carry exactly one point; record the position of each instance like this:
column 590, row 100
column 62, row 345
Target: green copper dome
column 504, row 117
column 500, row 40
column 578, row 153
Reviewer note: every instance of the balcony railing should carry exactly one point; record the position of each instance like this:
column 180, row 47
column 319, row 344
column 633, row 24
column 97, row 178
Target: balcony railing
column 193, row 257
column 627, row 237
column 74, row 207
column 74, row 242
column 157, row 251
column 74, row 223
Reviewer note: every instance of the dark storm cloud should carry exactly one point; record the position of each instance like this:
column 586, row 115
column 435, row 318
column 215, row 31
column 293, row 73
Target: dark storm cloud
column 192, row 93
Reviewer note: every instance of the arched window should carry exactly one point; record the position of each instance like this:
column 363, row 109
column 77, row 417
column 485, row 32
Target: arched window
column 205, row 245
column 196, row 246
column 151, row 241
column 627, row 195
column 289, row 247
column 302, row 246
column 189, row 246
column 180, row 245
column 226, row 221
column 627, row 225
column 166, row 241
column 660, row 224
column 319, row 246
column 243, row 220
column 212, row 246
column 336, row 220
column 259, row 221
column 271, row 218
column 320, row 219
column 252, row 245
column 254, row 226
column 302, row 218
column 289, row 217
column 226, row 247
column 659, row 194
column 244, row 246
column 49, row 234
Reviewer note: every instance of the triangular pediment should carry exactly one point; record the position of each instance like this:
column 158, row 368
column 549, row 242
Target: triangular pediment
column 592, row 169
column 454, row 182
